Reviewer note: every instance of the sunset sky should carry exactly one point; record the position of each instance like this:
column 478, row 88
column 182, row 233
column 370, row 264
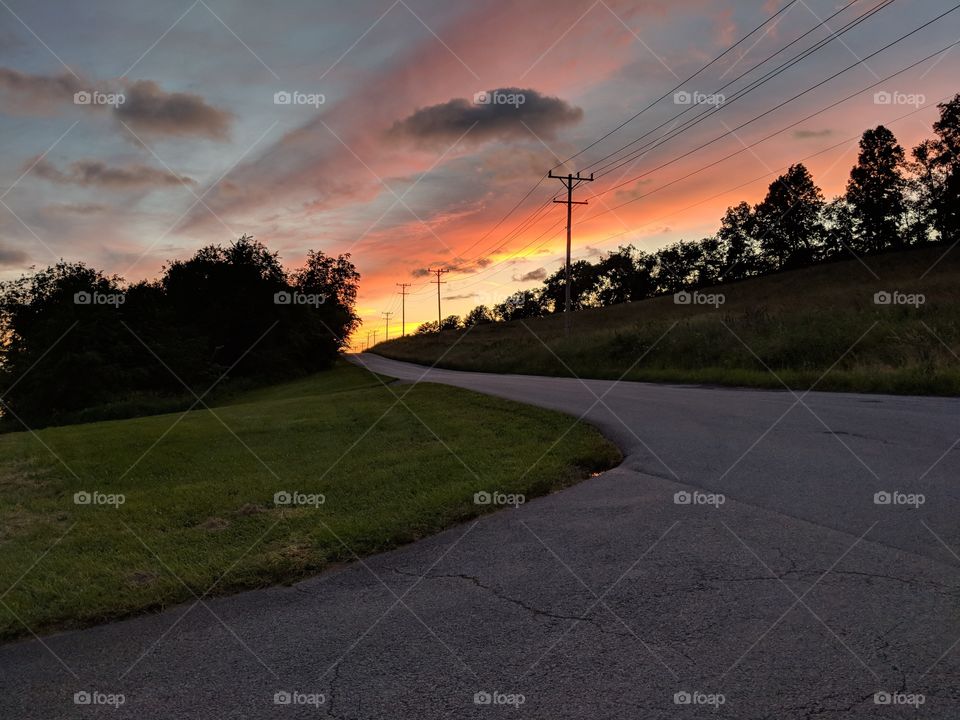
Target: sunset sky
column 398, row 164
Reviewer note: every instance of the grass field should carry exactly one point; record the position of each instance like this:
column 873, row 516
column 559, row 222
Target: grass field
column 816, row 325
column 199, row 514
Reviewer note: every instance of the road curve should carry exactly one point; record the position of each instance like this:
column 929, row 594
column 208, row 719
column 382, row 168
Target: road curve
column 736, row 565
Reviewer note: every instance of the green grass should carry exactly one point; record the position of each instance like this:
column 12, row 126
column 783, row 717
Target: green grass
column 816, row 325
column 199, row 513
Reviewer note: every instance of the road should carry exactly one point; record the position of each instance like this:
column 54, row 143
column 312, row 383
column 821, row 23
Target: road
column 737, row 564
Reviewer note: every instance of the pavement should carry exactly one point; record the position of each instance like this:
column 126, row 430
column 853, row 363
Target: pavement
column 758, row 554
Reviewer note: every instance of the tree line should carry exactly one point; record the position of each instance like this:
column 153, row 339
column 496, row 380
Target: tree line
column 891, row 202
column 76, row 339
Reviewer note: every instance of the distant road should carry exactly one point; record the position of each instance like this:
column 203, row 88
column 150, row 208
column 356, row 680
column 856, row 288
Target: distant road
column 781, row 590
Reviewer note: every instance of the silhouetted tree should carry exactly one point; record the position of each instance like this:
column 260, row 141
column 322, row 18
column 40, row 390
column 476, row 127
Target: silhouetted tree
column 480, row 315
column 738, row 234
column 583, row 286
column 790, row 218
column 624, row 275
column 876, row 191
column 520, row 306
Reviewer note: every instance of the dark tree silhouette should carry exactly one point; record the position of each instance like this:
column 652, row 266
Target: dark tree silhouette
column 876, row 191
column 790, row 218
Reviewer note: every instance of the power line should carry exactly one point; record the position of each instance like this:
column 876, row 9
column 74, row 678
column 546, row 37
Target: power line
column 610, row 167
column 771, row 135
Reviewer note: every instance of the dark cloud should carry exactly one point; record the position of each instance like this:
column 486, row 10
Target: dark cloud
column 538, row 274
column 93, row 173
column 807, row 134
column 36, row 93
column 465, row 296
column 79, row 209
column 459, row 265
column 11, row 257
column 508, row 114
column 149, row 109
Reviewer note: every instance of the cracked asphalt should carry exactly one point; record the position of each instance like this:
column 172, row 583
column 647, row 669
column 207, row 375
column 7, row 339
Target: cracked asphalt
column 781, row 590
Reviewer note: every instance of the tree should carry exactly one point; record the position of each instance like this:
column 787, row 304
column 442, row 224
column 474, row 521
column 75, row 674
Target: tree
column 426, row 328
column 789, row 219
column 738, row 238
column 838, row 229
column 676, row 267
column 876, row 191
column 938, row 161
column 583, row 287
column 520, row 306
column 225, row 310
column 623, row 276
column 450, row 322
column 480, row 315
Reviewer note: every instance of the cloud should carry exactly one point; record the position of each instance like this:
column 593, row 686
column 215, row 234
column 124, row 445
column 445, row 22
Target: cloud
column 11, row 257
column 459, row 265
column 465, row 296
column 507, row 113
column 79, row 208
column 808, row 134
column 538, row 274
column 36, row 94
column 93, row 173
column 149, row 109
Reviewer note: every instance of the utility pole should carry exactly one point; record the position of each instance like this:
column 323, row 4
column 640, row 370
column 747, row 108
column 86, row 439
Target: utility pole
column 375, row 336
column 569, row 182
column 387, row 316
column 438, row 273
column 403, row 316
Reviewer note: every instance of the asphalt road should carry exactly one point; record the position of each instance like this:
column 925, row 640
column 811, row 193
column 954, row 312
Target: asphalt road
column 737, row 565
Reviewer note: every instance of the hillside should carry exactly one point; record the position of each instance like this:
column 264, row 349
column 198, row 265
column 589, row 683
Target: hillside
column 819, row 326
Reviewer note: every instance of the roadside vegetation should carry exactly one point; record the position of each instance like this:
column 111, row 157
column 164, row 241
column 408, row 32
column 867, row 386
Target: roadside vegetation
column 816, row 325
column 199, row 510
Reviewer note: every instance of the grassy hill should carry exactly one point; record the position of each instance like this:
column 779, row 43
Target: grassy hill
column 818, row 325
column 199, row 512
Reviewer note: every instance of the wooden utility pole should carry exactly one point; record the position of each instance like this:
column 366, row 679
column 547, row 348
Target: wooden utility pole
column 387, row 316
column 439, row 282
column 570, row 182
column 403, row 307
